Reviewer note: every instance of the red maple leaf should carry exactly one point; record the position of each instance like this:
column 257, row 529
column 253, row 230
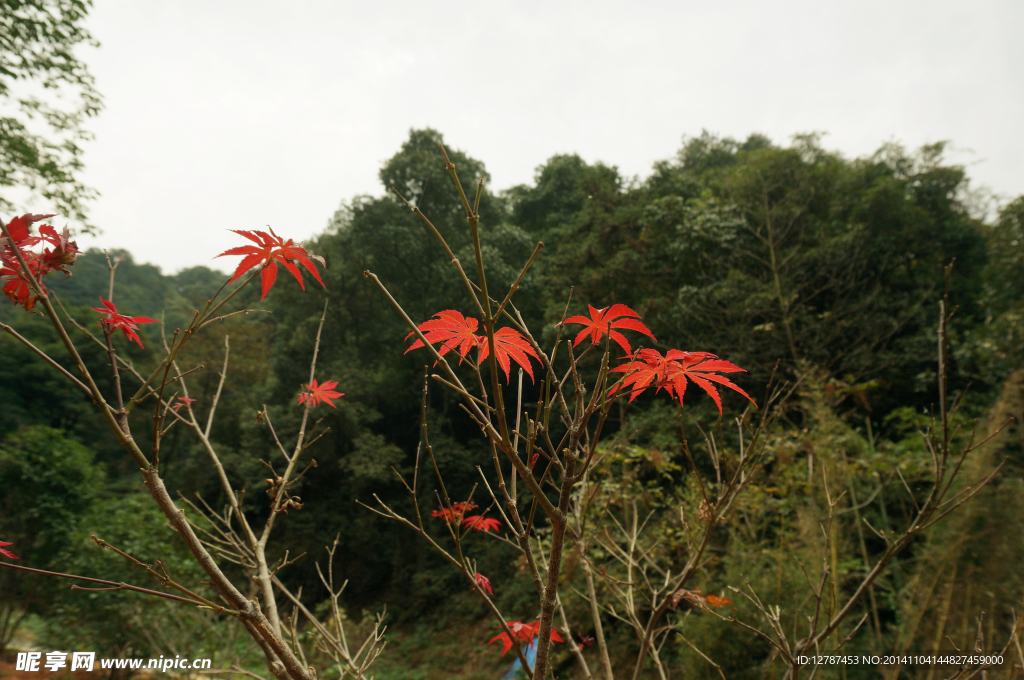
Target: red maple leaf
column 20, row 229
column 65, row 251
column 523, row 632
column 481, row 523
column 647, row 367
column 484, row 583
column 453, row 330
column 450, row 328
column 184, row 401
column 320, row 392
column 17, row 286
column 271, row 249
column 508, row 342
column 7, row 553
column 457, row 513
column 127, row 324
column 600, row 319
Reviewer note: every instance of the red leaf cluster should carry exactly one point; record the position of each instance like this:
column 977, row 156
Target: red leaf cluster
column 269, row 251
column 7, row 553
column 453, row 330
column 127, row 324
column 523, row 632
column 483, row 582
column 457, row 514
column 481, row 523
column 183, row 401
column 604, row 321
column 673, row 372
column 59, row 253
column 320, row 392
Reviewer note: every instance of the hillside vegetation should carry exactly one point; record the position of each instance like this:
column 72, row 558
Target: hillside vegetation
column 806, row 268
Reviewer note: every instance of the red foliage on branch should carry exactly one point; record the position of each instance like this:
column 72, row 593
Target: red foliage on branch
column 184, row 401
column 647, row 367
column 523, row 632
column 457, row 514
column 269, row 251
column 64, row 252
column 7, row 553
column 602, row 321
column 480, row 523
column 453, row 330
column 484, row 583
column 127, row 324
column 61, row 256
column 320, row 392
column 17, row 287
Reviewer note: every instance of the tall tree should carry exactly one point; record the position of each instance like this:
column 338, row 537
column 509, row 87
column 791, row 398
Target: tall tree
column 46, row 95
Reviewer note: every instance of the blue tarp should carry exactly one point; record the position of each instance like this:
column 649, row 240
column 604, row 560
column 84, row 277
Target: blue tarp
column 517, row 667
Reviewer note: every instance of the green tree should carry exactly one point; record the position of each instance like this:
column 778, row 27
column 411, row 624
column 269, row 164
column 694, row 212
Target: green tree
column 1005, row 274
column 47, row 482
column 46, row 95
column 995, row 349
column 122, row 623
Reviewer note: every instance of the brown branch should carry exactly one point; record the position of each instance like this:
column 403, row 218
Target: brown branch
column 114, row 585
column 78, row 383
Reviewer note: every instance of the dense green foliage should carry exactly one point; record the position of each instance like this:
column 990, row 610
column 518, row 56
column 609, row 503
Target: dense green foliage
column 125, row 623
column 786, row 260
column 762, row 253
column 48, row 483
column 46, row 94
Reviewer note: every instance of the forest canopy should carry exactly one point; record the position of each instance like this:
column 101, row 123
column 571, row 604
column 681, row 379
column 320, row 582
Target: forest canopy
column 790, row 260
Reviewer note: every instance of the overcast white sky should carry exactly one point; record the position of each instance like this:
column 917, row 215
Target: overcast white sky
column 235, row 115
